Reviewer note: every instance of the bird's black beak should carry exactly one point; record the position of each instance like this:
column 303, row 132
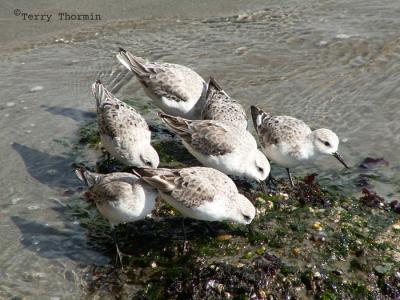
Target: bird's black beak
column 339, row 158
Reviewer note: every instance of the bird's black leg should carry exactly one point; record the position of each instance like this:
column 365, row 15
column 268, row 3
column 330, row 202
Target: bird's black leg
column 210, row 229
column 290, row 177
column 114, row 237
column 251, row 230
column 264, row 186
column 185, row 241
column 271, row 182
column 108, row 159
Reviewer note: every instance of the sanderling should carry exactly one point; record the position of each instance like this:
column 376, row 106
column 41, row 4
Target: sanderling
column 290, row 142
column 119, row 197
column 219, row 106
column 124, row 132
column 221, row 146
column 175, row 89
column 200, row 193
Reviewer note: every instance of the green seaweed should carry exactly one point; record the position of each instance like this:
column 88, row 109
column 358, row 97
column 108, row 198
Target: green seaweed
column 315, row 241
column 89, row 134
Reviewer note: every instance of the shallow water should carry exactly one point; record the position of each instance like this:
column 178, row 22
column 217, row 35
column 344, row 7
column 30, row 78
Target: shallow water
column 333, row 64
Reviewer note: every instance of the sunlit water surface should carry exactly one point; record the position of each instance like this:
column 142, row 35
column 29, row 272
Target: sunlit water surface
column 332, row 64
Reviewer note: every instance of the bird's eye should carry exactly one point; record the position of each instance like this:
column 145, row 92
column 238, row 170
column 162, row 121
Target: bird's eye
column 261, row 170
column 146, row 161
column 246, row 218
column 326, row 143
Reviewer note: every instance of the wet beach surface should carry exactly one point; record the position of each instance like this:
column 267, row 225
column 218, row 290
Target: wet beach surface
column 332, row 64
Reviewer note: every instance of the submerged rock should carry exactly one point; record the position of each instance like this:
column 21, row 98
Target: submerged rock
column 370, row 162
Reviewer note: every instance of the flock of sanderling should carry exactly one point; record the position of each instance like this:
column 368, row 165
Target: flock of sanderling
column 213, row 128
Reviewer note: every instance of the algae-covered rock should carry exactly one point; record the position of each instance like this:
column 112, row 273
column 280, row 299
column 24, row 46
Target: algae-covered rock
column 314, row 241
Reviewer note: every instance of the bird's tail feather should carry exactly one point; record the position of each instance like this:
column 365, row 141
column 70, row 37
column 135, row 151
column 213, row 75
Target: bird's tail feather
column 177, row 124
column 157, row 178
column 258, row 115
column 212, row 88
column 100, row 93
column 89, row 178
column 131, row 62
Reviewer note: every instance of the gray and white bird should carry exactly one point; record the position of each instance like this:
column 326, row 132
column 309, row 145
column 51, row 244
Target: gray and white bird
column 124, row 132
column 290, row 142
column 219, row 106
column 175, row 89
column 200, row 193
column 221, row 146
column 119, row 197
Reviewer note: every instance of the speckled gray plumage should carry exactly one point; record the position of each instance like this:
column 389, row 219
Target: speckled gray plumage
column 210, row 137
column 175, row 82
column 175, row 88
column 273, row 130
column 119, row 197
column 190, row 186
column 113, row 187
column 118, row 119
column 219, row 106
column 123, row 131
